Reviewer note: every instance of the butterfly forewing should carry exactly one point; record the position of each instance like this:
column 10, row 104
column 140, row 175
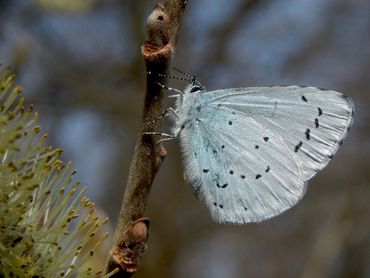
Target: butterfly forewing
column 313, row 122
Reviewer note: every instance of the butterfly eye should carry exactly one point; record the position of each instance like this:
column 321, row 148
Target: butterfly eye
column 195, row 89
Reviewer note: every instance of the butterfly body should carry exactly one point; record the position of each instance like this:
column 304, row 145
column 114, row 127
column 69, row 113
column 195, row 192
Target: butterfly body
column 250, row 151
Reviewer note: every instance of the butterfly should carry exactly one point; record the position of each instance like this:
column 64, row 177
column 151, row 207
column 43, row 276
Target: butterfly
column 249, row 152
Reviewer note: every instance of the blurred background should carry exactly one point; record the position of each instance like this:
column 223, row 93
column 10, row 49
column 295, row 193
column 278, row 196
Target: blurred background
column 81, row 66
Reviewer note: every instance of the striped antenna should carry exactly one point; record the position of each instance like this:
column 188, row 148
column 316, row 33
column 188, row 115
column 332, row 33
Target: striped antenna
column 171, row 76
column 182, row 72
column 192, row 78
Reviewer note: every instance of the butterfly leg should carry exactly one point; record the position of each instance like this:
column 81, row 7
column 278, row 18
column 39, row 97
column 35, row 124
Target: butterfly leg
column 170, row 88
column 167, row 136
column 169, row 112
column 174, row 96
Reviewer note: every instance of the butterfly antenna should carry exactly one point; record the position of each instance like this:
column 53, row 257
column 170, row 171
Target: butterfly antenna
column 190, row 79
column 182, row 72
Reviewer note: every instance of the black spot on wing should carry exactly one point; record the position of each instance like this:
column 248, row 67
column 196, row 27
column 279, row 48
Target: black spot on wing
column 267, row 169
column 205, row 170
column 223, row 146
column 231, row 172
column 230, row 122
column 308, row 136
column 298, row 146
column 222, row 186
column 258, row 176
column 320, row 111
column 317, row 124
column 304, row 98
column 242, row 176
column 256, row 147
column 266, row 138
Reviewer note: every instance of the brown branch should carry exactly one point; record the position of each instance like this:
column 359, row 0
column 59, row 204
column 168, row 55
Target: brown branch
column 131, row 234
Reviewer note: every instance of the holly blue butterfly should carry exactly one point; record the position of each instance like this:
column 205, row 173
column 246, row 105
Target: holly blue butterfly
column 249, row 152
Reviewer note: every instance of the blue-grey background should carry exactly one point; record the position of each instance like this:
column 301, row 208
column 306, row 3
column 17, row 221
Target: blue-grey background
column 80, row 65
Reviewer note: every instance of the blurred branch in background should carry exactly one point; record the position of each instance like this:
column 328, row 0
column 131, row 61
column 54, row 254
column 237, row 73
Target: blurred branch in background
column 131, row 234
column 224, row 33
column 65, row 5
column 3, row 5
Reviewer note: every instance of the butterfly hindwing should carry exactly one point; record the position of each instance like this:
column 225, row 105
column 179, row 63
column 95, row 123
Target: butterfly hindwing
column 243, row 172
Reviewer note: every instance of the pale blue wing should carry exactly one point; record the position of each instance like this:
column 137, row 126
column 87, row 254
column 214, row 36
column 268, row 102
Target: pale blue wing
column 242, row 172
column 249, row 151
column 311, row 121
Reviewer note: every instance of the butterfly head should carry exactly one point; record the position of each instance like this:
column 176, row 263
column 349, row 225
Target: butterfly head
column 195, row 88
column 194, row 85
